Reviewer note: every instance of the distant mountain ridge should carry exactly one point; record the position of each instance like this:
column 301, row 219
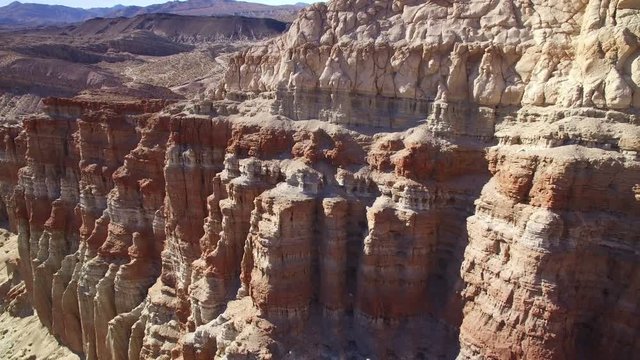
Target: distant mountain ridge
column 148, row 56
column 28, row 14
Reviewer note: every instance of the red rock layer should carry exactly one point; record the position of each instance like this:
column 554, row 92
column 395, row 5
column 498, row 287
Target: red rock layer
column 550, row 269
column 50, row 183
column 151, row 233
column 70, row 217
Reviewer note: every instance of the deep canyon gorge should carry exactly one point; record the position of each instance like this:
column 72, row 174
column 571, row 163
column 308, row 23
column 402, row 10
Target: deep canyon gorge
column 446, row 179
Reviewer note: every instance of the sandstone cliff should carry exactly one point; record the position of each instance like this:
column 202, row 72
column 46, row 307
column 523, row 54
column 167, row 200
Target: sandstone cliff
column 389, row 179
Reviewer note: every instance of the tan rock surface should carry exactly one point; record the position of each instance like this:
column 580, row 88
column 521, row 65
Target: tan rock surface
column 22, row 336
column 390, row 179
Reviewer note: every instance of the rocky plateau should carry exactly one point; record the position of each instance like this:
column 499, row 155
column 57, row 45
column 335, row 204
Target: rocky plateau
column 388, row 179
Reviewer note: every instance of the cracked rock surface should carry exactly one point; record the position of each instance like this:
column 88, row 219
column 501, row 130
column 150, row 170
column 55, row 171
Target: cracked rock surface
column 388, row 179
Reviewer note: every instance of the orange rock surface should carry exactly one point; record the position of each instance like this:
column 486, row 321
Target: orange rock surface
column 399, row 179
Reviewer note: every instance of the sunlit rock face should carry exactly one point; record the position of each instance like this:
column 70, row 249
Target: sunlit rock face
column 496, row 53
column 386, row 180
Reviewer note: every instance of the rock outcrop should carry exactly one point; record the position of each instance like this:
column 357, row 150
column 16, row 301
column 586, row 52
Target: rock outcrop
column 486, row 53
column 548, row 265
column 389, row 179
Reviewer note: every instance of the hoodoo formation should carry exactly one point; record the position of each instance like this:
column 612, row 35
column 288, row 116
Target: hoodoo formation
column 413, row 179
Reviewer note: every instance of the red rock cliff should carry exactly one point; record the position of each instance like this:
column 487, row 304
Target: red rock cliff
column 398, row 179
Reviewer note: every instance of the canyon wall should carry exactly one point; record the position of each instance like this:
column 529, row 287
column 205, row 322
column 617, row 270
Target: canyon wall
column 389, row 179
